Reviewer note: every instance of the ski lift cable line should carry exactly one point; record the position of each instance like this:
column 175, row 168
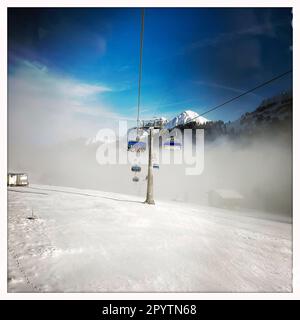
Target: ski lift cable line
column 140, row 67
column 242, row 94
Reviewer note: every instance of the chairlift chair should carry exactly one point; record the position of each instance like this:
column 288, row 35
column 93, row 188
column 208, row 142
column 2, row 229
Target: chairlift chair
column 136, row 168
column 134, row 145
column 172, row 144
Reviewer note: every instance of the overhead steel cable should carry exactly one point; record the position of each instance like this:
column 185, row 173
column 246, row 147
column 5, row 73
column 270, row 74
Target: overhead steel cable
column 140, row 68
column 242, row 94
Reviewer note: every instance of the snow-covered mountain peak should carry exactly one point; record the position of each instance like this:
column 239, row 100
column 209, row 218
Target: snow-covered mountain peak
column 185, row 117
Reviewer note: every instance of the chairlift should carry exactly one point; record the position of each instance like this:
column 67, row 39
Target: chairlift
column 135, row 145
column 156, row 123
column 155, row 166
column 172, row 144
column 136, row 168
column 135, row 179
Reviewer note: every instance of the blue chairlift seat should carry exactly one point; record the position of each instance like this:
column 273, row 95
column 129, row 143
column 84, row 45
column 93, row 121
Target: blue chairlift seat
column 134, row 145
column 172, row 145
column 136, row 168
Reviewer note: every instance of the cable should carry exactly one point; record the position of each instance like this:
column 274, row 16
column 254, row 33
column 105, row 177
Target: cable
column 242, row 94
column 140, row 68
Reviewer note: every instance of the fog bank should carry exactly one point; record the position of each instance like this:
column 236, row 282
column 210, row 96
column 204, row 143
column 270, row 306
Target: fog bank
column 259, row 169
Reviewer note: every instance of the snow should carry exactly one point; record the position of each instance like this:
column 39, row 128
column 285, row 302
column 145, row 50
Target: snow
column 163, row 119
column 92, row 241
column 228, row 194
column 183, row 118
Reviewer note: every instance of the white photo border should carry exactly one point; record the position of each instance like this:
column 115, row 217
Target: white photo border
column 4, row 295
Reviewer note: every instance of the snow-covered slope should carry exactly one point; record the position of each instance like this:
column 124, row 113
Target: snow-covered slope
column 91, row 241
column 183, row 118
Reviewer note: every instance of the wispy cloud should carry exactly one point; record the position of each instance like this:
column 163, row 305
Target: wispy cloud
column 223, row 87
column 48, row 106
column 82, row 89
column 57, row 84
column 267, row 29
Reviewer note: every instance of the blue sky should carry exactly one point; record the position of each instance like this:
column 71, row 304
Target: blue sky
column 88, row 59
